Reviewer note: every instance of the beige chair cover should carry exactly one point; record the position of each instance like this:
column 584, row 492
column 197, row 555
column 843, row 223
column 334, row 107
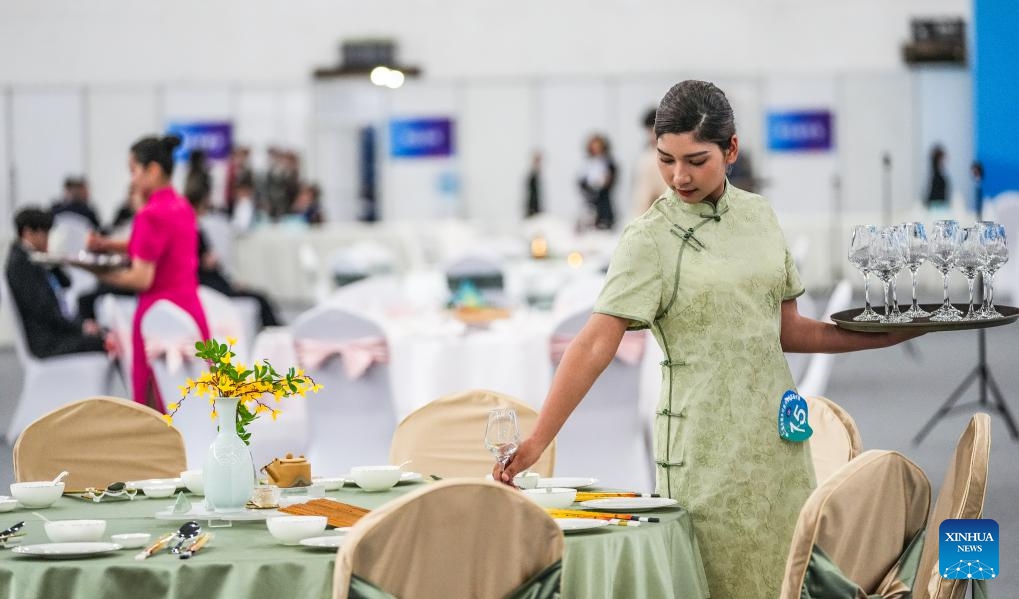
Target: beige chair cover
column 99, row 441
column 455, row 538
column 447, row 436
column 961, row 496
column 835, row 441
column 863, row 518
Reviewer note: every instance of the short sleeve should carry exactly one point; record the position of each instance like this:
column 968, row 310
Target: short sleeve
column 633, row 285
column 148, row 239
column 793, row 285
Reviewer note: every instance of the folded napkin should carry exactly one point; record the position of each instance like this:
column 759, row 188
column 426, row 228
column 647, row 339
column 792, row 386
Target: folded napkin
column 175, row 352
column 357, row 354
column 630, row 350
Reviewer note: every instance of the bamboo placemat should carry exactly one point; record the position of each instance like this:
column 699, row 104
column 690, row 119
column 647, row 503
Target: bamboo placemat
column 338, row 514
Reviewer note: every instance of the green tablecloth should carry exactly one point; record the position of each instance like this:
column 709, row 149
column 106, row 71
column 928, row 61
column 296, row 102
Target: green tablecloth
column 244, row 560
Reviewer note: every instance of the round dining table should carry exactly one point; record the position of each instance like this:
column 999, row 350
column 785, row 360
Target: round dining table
column 243, row 560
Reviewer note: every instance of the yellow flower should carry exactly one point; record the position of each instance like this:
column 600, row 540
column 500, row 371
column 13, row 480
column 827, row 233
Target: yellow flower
column 205, row 377
column 225, row 359
column 316, row 388
column 168, row 419
column 183, row 389
column 231, row 341
column 261, row 409
column 190, row 382
column 275, row 413
column 213, row 415
column 173, row 407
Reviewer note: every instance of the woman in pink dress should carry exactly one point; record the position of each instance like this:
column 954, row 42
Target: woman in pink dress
column 163, row 250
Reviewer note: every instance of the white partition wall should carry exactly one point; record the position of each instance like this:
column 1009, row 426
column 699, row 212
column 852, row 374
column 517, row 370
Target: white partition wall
column 116, row 118
column 48, row 141
column 6, row 196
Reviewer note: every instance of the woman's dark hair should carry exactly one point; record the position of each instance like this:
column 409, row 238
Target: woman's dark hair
column 937, row 155
column 156, row 149
column 32, row 218
column 696, row 107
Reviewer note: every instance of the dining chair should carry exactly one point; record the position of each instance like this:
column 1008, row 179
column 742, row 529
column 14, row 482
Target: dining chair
column 961, row 497
column 236, row 317
column 48, row 383
column 860, row 533
column 454, row 538
column 99, row 440
column 351, row 421
column 836, row 439
column 606, row 435
column 447, row 436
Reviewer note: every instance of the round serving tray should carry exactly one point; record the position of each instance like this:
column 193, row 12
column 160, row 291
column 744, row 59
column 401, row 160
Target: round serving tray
column 844, row 319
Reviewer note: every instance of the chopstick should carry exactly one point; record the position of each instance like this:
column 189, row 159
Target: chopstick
column 159, row 544
column 555, row 513
column 585, row 495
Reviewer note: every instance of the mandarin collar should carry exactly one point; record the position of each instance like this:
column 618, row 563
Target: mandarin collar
column 703, row 208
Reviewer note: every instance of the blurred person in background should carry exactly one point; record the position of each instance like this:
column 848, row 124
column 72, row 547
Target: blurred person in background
column 307, row 206
column 237, row 170
column 210, row 271
column 533, row 205
column 51, row 328
column 597, row 179
column 164, row 253
column 723, row 321
column 198, row 181
column 76, row 200
column 937, row 186
column 246, row 211
column 647, row 182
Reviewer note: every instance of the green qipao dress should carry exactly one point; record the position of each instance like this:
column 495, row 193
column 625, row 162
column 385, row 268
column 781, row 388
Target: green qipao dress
column 709, row 281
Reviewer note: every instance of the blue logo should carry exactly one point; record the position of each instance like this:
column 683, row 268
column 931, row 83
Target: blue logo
column 800, row 131
column 792, row 418
column 419, row 138
column 968, row 549
column 216, row 139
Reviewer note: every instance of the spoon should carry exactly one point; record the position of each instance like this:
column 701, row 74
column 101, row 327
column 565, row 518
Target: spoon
column 60, row 477
column 400, row 467
column 185, row 533
column 13, row 529
column 41, row 517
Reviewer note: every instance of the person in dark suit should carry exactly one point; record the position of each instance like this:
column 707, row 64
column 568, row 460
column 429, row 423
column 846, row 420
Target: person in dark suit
column 50, row 327
column 76, row 199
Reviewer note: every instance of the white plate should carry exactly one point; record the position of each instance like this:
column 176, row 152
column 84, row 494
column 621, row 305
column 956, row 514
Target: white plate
column 64, row 550
column 411, row 477
column 573, row 482
column 198, row 512
column 331, row 483
column 138, row 484
column 568, row 525
column 629, row 504
column 327, row 542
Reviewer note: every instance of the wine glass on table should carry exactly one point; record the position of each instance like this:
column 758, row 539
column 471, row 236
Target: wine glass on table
column 859, row 256
column 502, row 434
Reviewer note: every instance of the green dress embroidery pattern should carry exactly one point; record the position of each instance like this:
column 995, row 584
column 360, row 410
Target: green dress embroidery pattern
column 709, row 281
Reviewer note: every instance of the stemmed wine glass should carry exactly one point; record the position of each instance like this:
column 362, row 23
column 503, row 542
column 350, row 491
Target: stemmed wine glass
column 972, row 258
column 886, row 261
column 860, row 257
column 502, row 435
column 993, row 238
column 942, row 252
column 916, row 254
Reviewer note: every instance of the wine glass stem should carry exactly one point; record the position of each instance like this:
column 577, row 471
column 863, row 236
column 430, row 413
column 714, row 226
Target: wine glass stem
column 895, row 298
column 944, row 281
column 989, row 295
column 969, row 283
column 888, row 307
column 912, row 278
column 866, row 290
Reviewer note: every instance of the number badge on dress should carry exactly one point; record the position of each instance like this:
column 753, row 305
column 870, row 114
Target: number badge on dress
column 792, row 418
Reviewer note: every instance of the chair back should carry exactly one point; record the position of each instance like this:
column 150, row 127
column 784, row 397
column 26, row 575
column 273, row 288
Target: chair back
column 481, row 269
column 115, row 312
column 99, row 440
column 605, row 434
column 818, row 372
column 447, row 436
column 169, row 325
column 226, row 320
column 961, row 497
column 219, row 233
column 352, row 419
column 8, row 305
column 860, row 523
column 836, row 439
column 443, row 541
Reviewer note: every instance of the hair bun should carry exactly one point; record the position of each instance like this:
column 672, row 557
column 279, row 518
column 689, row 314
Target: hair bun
column 170, row 142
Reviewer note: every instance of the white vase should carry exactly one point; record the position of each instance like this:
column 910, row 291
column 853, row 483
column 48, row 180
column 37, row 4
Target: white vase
column 229, row 474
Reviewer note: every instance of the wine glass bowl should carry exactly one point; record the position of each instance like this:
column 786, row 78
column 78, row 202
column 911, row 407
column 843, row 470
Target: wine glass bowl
column 943, row 254
column 502, row 434
column 860, row 257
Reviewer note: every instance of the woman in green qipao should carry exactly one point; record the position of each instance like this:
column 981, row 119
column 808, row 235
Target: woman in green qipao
column 707, row 269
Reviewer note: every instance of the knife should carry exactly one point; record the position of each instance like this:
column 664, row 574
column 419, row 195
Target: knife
column 159, row 544
column 200, row 542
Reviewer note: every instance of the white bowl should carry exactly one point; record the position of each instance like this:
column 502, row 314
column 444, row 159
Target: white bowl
column 132, row 540
column 193, row 481
column 7, row 504
column 159, row 490
column 376, row 478
column 37, row 495
column 289, row 530
column 555, row 497
column 75, row 531
column 331, row 483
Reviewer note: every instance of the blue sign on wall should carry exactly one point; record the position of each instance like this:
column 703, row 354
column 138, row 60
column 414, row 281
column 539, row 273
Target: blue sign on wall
column 417, row 138
column 799, row 131
column 215, row 138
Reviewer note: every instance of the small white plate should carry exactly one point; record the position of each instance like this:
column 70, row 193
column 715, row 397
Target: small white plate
column 629, row 504
column 331, row 483
column 569, row 525
column 132, row 540
column 138, row 484
column 198, row 512
column 327, row 542
column 573, row 482
column 65, row 550
column 411, row 477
